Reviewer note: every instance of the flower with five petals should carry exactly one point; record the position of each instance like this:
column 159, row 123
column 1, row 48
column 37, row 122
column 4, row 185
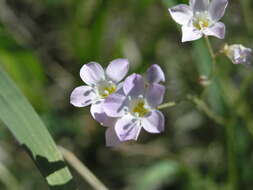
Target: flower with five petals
column 200, row 18
column 100, row 84
column 135, row 109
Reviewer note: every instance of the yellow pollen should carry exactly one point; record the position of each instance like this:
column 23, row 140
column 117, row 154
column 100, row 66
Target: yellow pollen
column 140, row 110
column 106, row 91
column 201, row 24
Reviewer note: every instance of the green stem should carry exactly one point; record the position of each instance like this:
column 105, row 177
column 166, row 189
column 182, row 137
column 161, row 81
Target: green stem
column 201, row 105
column 213, row 56
column 167, row 105
column 232, row 169
column 230, row 133
column 8, row 179
column 82, row 170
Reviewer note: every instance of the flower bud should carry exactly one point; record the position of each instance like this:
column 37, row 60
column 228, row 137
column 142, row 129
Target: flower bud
column 238, row 54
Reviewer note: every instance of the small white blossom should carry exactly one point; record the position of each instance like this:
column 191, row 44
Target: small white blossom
column 100, row 84
column 200, row 18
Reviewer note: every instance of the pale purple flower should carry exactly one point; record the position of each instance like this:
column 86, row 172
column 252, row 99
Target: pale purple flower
column 135, row 109
column 238, row 54
column 200, row 18
column 154, row 74
column 100, row 84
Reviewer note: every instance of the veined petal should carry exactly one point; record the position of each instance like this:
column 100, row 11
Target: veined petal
column 111, row 137
column 154, row 122
column 181, row 14
column 155, row 74
column 134, row 85
column 155, row 94
column 199, row 5
column 99, row 115
column 190, row 34
column 114, row 105
column 117, row 69
column 218, row 30
column 217, row 9
column 92, row 73
column 127, row 128
column 82, row 96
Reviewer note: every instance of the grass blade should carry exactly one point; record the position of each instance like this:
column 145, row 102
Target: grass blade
column 21, row 119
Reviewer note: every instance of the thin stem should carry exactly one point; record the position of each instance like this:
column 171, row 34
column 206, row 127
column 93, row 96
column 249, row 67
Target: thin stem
column 232, row 169
column 201, row 105
column 167, row 105
column 82, row 169
column 8, row 179
column 212, row 54
column 230, row 133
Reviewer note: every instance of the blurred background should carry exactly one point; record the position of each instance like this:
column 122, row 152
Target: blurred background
column 43, row 45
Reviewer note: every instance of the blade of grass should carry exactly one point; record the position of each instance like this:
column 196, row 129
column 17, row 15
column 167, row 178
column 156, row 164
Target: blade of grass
column 21, row 119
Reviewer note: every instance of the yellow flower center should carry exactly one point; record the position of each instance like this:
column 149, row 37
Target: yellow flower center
column 139, row 108
column 201, row 21
column 201, row 24
column 106, row 88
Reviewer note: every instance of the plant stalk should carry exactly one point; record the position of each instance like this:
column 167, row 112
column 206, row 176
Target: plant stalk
column 82, row 169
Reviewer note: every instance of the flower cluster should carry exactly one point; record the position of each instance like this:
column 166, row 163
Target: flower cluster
column 124, row 107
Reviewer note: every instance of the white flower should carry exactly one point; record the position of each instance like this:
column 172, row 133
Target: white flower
column 135, row 108
column 100, row 84
column 200, row 18
column 238, row 54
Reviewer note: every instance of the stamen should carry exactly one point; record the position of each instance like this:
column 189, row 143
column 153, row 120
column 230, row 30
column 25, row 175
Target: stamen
column 139, row 108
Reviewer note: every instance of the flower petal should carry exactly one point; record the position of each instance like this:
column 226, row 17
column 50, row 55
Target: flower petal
column 154, row 122
column 99, row 115
column 114, row 105
column 82, row 96
column 155, row 94
column 217, row 9
column 181, row 14
column 127, row 128
column 218, row 30
column 199, row 5
column 155, row 74
column 117, row 69
column 190, row 34
column 134, row 85
column 111, row 137
column 92, row 73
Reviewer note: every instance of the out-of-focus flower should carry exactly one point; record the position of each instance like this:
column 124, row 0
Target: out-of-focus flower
column 135, row 109
column 200, row 18
column 238, row 54
column 100, row 84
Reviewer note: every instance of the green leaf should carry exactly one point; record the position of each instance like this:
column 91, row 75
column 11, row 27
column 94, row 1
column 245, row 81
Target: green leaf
column 21, row 119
